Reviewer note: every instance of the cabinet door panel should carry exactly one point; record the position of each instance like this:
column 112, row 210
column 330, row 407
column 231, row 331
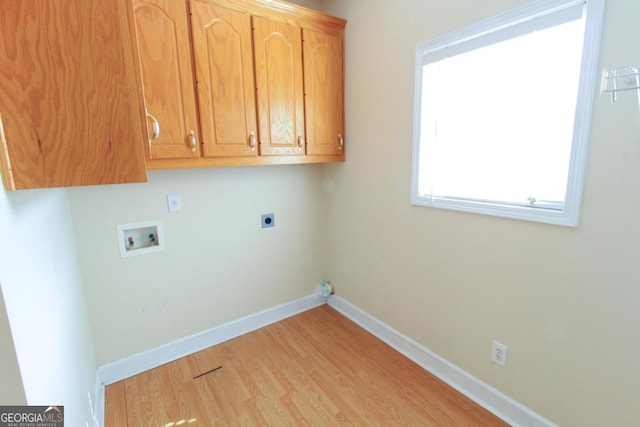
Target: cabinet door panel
column 70, row 109
column 280, row 97
column 165, row 64
column 224, row 72
column 324, row 87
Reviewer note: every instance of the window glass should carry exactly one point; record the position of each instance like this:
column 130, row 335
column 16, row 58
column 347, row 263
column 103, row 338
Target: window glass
column 502, row 114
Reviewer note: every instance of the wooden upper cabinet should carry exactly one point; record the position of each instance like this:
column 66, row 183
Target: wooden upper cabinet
column 223, row 61
column 257, row 82
column 324, row 82
column 278, row 69
column 70, row 105
column 164, row 51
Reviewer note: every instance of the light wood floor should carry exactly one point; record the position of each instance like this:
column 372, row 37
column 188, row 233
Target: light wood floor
column 314, row 369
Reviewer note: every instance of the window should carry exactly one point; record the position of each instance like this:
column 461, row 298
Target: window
column 502, row 113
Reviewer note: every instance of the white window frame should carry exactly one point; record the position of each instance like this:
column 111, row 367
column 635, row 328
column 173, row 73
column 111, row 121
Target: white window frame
column 569, row 214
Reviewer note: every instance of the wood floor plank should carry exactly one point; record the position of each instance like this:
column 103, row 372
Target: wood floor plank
column 317, row 368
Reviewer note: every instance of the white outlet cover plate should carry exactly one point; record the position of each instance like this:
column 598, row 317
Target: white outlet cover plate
column 499, row 353
column 174, row 203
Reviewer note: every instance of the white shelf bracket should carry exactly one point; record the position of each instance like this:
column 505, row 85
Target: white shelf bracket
column 620, row 79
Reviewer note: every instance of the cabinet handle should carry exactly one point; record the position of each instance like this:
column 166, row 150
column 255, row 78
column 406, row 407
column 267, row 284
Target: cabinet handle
column 193, row 141
column 300, row 141
column 340, row 141
column 155, row 127
column 252, row 141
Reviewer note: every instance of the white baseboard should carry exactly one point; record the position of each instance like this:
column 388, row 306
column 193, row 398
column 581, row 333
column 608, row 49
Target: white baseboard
column 486, row 396
column 155, row 357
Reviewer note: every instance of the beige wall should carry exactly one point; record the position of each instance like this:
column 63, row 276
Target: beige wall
column 45, row 307
column 564, row 300
column 312, row 4
column 219, row 264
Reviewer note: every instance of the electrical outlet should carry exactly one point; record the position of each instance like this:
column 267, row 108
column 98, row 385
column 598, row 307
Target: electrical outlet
column 268, row 220
column 499, row 353
column 174, row 202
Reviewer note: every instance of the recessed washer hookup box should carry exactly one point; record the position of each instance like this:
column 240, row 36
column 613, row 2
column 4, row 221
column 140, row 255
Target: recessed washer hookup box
column 140, row 238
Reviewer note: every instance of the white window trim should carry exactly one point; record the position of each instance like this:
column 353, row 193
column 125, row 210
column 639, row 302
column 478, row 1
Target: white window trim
column 570, row 215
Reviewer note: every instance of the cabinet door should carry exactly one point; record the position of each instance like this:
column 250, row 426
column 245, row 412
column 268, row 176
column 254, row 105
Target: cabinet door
column 70, row 107
column 224, row 71
column 324, row 88
column 167, row 78
column 278, row 68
